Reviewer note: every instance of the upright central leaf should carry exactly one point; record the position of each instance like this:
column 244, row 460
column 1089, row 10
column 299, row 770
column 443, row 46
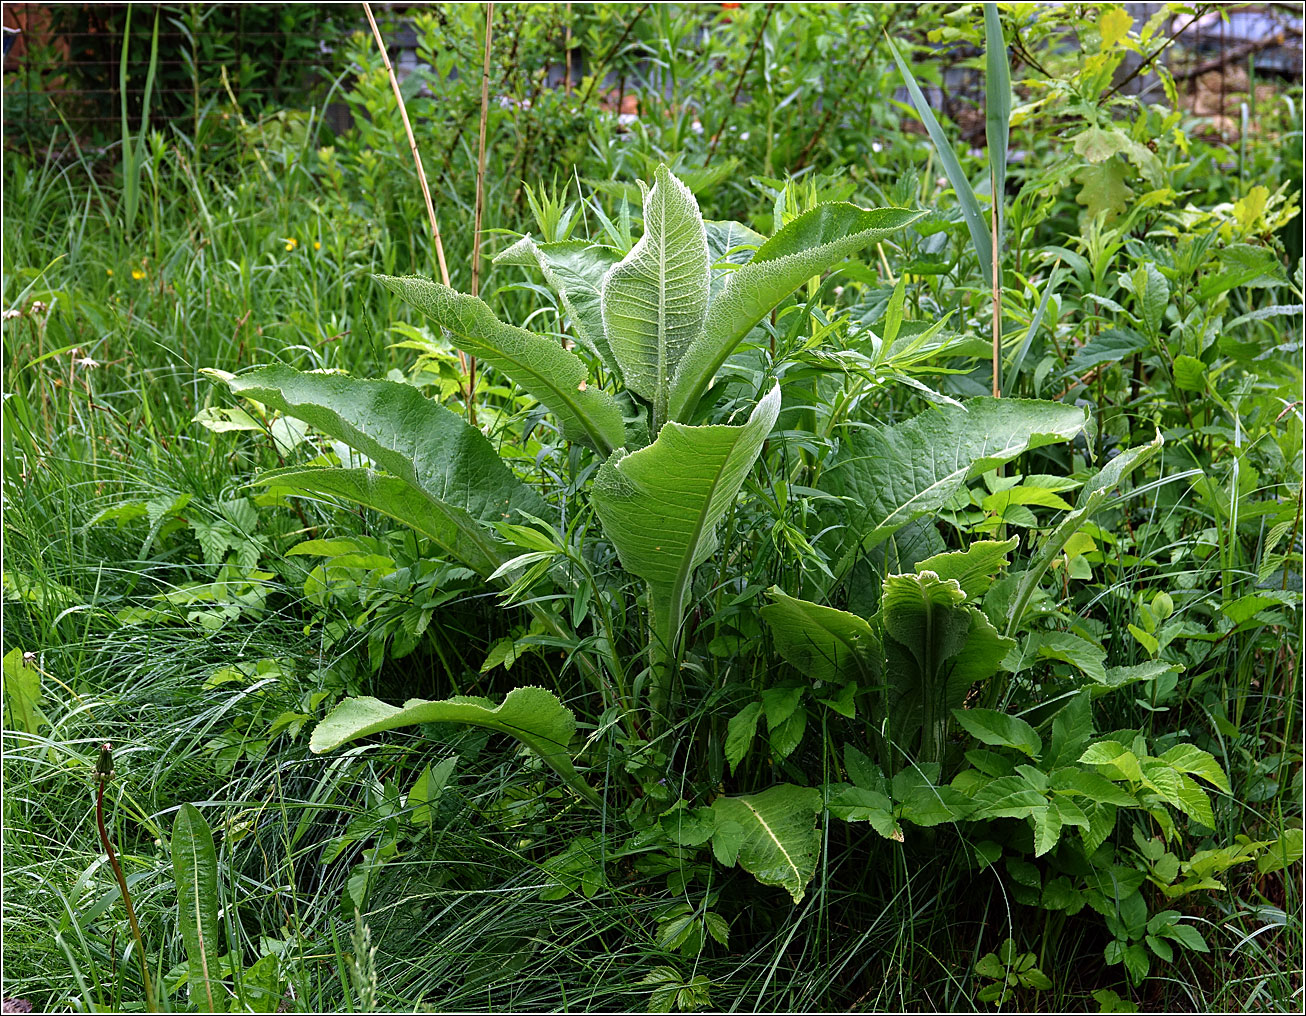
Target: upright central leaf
column 660, row 507
column 654, row 301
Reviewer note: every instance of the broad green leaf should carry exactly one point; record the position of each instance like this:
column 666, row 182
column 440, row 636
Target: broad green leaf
column 557, row 378
column 574, row 270
column 970, row 208
column 1115, row 755
column 936, row 649
column 434, row 451
column 22, row 693
column 999, row 729
column 1071, row 728
column 1070, row 648
column 1047, row 829
column 1280, row 853
column 1091, row 785
column 654, row 301
column 1187, row 759
column 195, row 871
column 447, row 526
column 1008, row 797
column 740, row 732
column 426, row 791
column 857, row 804
column 900, row 473
column 822, row 643
column 803, row 248
column 778, row 842
column 975, row 567
column 532, row 715
column 1092, row 497
column 660, row 506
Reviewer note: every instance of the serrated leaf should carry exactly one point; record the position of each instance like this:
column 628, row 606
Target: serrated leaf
column 973, row 568
column 532, row 715
column 1000, row 729
column 740, row 732
column 1188, row 759
column 856, row 804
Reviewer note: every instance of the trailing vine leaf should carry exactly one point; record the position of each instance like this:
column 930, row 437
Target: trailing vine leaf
column 822, row 643
column 803, row 248
column 772, row 835
column 195, row 872
column 534, row 716
column 660, row 505
column 654, row 300
column 896, row 474
column 452, row 466
column 575, row 270
column 557, row 378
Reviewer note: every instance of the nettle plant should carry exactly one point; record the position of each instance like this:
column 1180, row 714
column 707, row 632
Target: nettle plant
column 667, row 396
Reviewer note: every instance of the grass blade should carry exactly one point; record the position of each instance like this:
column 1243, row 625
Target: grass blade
column 970, row 208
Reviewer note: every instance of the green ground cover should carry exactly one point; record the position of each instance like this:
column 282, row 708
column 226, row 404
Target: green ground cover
column 769, row 652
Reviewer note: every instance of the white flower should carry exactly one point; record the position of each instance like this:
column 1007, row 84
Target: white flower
column 86, row 363
column 11, row 313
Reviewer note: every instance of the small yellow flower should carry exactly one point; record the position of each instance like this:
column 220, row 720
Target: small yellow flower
column 291, row 242
column 137, row 274
column 317, row 245
column 109, row 272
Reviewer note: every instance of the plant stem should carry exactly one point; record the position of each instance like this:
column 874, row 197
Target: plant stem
column 101, row 780
column 743, row 72
column 480, row 200
column 417, row 160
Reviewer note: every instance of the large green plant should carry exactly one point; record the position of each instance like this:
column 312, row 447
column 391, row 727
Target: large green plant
column 669, row 454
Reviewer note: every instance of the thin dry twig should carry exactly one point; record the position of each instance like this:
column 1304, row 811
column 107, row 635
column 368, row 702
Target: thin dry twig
column 412, row 144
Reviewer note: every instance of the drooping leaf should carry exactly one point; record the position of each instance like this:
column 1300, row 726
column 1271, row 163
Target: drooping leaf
column 654, row 301
column 740, row 732
column 857, row 804
column 805, row 247
column 894, row 475
column 449, row 527
column 557, row 378
column 822, row 643
column 936, row 649
column 776, row 835
column 660, row 506
column 532, row 715
column 434, row 451
column 195, row 871
column 574, row 270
